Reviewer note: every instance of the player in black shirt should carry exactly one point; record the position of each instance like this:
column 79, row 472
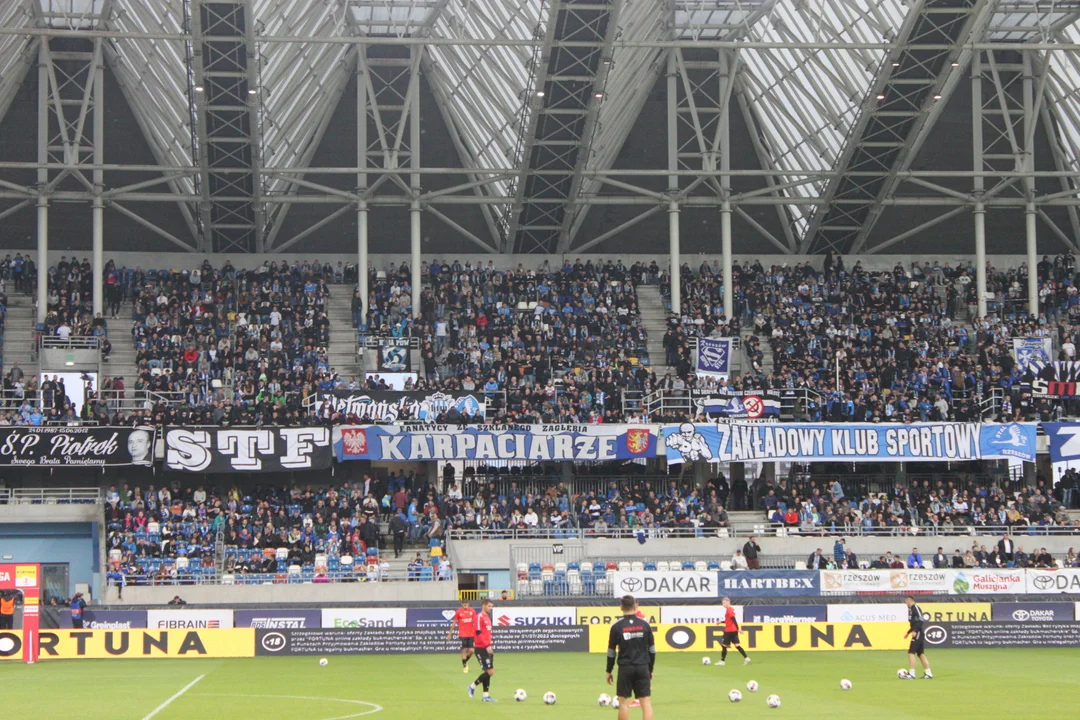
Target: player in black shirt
column 631, row 639
column 917, row 646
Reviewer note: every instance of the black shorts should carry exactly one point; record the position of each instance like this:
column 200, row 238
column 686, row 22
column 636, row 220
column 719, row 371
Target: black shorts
column 917, row 647
column 634, row 681
column 468, row 643
column 730, row 638
column 486, row 656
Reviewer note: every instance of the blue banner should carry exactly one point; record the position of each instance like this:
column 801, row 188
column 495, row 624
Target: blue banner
column 784, row 613
column 766, row 583
column 714, row 357
column 1034, row 612
column 848, row 442
column 1064, row 440
column 429, row 617
column 1008, row 440
column 495, row 442
column 751, row 404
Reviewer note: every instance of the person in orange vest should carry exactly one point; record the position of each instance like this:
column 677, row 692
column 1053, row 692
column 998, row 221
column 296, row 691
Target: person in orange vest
column 7, row 610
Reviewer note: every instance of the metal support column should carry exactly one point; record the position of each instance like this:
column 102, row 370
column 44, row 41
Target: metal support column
column 978, row 186
column 1030, row 227
column 725, row 248
column 98, row 219
column 43, row 182
column 361, row 179
column 414, row 184
column 673, row 184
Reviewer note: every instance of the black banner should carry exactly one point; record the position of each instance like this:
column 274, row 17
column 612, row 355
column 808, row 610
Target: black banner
column 377, row 641
column 364, row 407
column 63, row 446
column 1003, row 634
column 261, row 449
column 394, row 359
column 760, row 405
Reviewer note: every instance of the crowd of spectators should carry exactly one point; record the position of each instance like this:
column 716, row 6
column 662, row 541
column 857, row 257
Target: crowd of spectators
column 170, row 533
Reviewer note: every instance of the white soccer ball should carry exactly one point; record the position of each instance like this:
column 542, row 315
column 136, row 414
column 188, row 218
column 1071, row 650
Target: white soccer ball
column 902, row 674
column 734, row 696
column 324, row 662
column 604, row 700
column 615, row 703
column 845, row 684
column 773, row 701
column 520, row 695
column 752, row 686
column 706, row 661
column 549, row 698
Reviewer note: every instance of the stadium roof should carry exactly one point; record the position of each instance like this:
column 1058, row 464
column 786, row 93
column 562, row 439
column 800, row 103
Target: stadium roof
column 557, row 86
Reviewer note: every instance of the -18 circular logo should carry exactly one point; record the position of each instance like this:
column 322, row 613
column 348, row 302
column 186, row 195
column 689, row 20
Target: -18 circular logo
column 935, row 634
column 274, row 642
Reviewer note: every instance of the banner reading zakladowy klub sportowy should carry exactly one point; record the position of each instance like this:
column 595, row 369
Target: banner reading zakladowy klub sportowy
column 495, row 442
column 848, row 442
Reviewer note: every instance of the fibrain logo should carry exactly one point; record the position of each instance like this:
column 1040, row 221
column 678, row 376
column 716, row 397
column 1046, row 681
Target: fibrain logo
column 631, row 585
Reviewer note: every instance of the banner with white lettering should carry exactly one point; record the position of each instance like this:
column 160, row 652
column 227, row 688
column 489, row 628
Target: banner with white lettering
column 1064, row 440
column 63, row 446
column 848, row 442
column 495, row 442
column 659, row 584
column 770, row 583
column 388, row 406
column 1027, row 350
column 713, row 357
column 748, row 404
column 255, row 449
column 1059, row 379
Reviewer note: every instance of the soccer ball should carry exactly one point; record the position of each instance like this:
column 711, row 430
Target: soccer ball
column 520, row 695
column 734, row 696
column 604, row 700
column 549, row 698
column 902, row 674
column 845, row 684
column 752, row 686
column 615, row 703
column 324, row 662
column 706, row 661
column 773, row 701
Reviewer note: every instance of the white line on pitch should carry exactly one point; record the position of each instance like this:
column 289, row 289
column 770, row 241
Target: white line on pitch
column 168, row 702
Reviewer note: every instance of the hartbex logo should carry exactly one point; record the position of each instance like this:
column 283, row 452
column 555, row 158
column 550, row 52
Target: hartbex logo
column 796, row 583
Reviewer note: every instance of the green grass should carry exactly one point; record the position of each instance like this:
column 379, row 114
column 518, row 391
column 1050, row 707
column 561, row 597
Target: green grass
column 984, row 684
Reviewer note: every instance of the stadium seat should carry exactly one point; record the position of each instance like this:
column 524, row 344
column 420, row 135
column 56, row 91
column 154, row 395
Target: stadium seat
column 688, row 565
column 650, row 567
column 713, row 565
column 560, row 567
column 182, row 563
column 536, row 587
column 228, row 579
column 662, row 566
column 624, row 566
column 723, row 533
column 586, row 567
column 725, row 565
column 700, row 566
column 636, row 566
column 800, row 564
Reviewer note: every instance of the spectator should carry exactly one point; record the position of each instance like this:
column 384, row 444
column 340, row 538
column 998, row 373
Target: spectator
column 940, row 560
column 750, row 552
column 839, row 552
column 915, row 559
column 738, row 561
column 816, row 561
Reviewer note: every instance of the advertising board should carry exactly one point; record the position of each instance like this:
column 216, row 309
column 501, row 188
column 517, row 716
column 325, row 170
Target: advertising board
column 398, row 640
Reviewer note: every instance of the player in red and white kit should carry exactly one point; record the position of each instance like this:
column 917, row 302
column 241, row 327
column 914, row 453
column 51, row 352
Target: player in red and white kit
column 731, row 634
column 485, row 653
column 465, row 619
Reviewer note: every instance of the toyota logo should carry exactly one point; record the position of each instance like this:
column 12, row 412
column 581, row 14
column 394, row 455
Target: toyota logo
column 273, row 642
column 631, row 584
column 935, row 634
column 1043, row 582
column 1021, row 615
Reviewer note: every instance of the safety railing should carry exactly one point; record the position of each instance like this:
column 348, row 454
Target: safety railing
column 71, row 342
column 198, row 575
column 50, row 496
column 683, row 403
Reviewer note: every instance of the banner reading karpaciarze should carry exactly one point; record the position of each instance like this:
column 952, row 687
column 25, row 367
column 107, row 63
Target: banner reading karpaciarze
column 849, row 442
column 495, row 442
column 389, row 406
column 63, row 446
column 261, row 449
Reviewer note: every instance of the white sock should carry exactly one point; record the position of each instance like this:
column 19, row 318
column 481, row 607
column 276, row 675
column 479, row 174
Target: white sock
column 486, row 695
column 928, row 673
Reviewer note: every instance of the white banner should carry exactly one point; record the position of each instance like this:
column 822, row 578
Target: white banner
column 650, row 584
column 885, row 582
column 364, row 618
column 697, row 614
column 188, row 619
column 530, row 616
column 1041, row 582
column 878, row 612
column 989, row 581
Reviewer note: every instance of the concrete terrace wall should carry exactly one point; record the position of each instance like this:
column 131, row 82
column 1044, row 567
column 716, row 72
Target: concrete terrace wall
column 391, row 593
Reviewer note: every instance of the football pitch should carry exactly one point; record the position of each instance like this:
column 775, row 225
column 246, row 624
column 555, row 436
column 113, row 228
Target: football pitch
column 985, row 684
